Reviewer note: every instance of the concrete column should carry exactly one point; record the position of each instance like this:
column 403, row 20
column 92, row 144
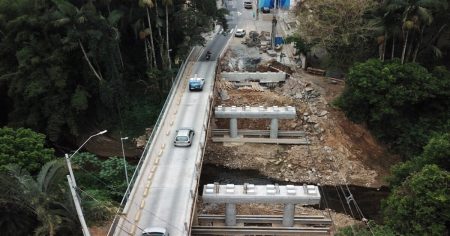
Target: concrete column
column 233, row 128
column 230, row 214
column 274, row 128
column 288, row 215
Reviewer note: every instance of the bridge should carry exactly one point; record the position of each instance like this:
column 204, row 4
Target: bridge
column 164, row 192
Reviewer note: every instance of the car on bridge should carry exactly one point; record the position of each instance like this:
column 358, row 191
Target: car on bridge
column 155, row 231
column 196, row 84
column 184, row 137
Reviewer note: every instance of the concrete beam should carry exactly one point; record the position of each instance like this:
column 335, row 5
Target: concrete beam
column 289, row 194
column 256, row 112
column 262, row 77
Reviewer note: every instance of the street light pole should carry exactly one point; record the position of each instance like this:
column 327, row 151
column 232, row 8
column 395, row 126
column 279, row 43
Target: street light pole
column 73, row 186
column 124, row 160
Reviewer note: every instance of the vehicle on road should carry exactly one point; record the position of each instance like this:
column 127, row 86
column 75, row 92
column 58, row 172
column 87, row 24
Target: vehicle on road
column 208, row 55
column 196, row 84
column 240, row 33
column 248, row 5
column 184, row 137
column 155, row 231
column 265, row 9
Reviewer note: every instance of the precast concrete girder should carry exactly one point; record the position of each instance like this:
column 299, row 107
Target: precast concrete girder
column 260, row 112
column 250, row 193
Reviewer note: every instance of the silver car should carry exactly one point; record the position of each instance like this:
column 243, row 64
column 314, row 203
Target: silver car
column 155, row 231
column 183, row 138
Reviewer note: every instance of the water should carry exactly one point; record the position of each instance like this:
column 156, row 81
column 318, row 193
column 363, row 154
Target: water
column 333, row 197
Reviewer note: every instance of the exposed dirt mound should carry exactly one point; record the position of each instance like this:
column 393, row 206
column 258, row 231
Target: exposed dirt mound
column 340, row 151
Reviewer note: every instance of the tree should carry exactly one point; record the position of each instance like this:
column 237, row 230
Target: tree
column 339, row 27
column 300, row 45
column 403, row 105
column 421, row 205
column 168, row 3
column 436, row 152
column 44, row 199
column 372, row 229
column 110, row 178
column 149, row 31
column 25, row 148
column 422, row 23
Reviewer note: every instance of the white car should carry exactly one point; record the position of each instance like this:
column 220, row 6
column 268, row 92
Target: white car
column 155, row 231
column 239, row 33
column 184, row 137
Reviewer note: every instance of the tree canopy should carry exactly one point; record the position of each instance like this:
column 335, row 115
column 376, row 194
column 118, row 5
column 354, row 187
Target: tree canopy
column 25, row 148
column 339, row 27
column 402, row 104
column 421, row 205
column 67, row 64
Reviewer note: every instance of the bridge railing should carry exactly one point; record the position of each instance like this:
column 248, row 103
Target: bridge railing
column 201, row 150
column 155, row 131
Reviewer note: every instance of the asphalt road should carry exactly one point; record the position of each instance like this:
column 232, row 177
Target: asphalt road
column 163, row 193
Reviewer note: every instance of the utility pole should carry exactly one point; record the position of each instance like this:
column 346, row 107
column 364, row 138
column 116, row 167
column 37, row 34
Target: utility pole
column 78, row 206
column 274, row 25
column 73, row 185
column 124, row 161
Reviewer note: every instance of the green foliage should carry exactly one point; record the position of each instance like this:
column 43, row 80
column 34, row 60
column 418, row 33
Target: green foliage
column 25, row 148
column 109, row 180
column 49, row 88
column 43, row 200
column 363, row 230
column 339, row 27
column 300, row 45
column 437, row 152
column 421, row 205
column 402, row 104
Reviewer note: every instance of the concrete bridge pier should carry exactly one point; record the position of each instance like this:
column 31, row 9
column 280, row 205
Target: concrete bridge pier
column 274, row 128
column 233, row 128
column 230, row 214
column 288, row 215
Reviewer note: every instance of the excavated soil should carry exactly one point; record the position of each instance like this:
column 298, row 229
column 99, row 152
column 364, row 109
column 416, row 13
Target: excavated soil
column 340, row 150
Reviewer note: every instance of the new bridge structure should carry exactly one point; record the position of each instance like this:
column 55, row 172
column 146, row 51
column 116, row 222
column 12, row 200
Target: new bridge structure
column 163, row 193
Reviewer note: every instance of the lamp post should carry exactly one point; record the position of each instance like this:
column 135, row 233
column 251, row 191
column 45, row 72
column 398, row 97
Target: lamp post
column 125, row 161
column 73, row 186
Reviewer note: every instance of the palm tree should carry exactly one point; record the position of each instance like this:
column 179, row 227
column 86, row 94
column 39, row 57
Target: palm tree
column 43, row 197
column 160, row 38
column 416, row 16
column 168, row 3
column 149, row 4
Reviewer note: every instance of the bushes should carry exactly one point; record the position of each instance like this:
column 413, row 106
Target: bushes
column 403, row 105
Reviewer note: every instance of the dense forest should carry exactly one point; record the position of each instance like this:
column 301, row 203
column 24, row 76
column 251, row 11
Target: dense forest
column 69, row 67
column 73, row 67
column 395, row 55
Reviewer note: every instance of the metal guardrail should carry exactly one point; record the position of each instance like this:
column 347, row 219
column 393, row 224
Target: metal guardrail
column 273, row 219
column 248, row 230
column 150, row 140
column 281, row 133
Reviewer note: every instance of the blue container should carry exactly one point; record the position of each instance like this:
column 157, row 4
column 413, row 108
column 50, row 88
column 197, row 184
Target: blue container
column 279, row 40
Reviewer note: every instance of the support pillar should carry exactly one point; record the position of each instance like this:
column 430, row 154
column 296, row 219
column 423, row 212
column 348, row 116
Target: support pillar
column 233, row 128
column 274, row 128
column 288, row 215
column 230, row 214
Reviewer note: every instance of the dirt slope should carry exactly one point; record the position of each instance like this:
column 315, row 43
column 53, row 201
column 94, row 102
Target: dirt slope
column 340, row 150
